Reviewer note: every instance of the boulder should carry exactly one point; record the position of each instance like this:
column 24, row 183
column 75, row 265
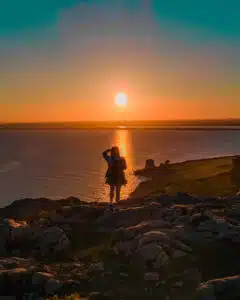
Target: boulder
column 162, row 260
column 99, row 266
column 153, row 236
column 178, row 254
column 53, row 240
column 130, row 216
column 153, row 276
column 52, row 286
column 40, row 278
column 196, row 219
column 126, row 247
column 29, row 209
column 150, row 251
column 11, row 232
column 17, row 276
column 16, row 262
column 221, row 288
column 143, row 227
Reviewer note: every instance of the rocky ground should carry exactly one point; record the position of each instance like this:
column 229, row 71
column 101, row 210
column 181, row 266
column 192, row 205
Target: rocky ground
column 164, row 247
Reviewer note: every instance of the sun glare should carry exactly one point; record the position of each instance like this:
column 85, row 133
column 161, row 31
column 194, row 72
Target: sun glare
column 121, row 99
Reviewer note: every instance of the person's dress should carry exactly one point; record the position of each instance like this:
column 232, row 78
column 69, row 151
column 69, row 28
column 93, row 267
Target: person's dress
column 115, row 174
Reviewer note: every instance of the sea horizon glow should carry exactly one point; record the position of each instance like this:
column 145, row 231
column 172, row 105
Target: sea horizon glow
column 64, row 60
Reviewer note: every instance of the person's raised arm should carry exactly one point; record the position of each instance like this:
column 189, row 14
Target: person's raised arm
column 105, row 154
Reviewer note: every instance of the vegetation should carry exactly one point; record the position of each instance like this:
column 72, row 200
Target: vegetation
column 205, row 177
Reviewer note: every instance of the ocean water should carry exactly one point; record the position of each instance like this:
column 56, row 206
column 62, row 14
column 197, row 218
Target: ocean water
column 62, row 163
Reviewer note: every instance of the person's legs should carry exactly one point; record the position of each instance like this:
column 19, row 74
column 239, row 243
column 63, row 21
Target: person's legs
column 118, row 193
column 112, row 188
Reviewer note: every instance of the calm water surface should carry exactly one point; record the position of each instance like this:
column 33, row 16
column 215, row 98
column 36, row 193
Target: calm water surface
column 56, row 164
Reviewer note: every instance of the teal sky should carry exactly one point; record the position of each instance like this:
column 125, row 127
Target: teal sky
column 56, row 51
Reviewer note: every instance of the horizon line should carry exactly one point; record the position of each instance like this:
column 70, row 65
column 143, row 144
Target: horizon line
column 120, row 121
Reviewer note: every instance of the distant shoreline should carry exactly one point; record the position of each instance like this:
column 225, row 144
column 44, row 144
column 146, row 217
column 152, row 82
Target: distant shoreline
column 203, row 125
column 160, row 128
column 126, row 128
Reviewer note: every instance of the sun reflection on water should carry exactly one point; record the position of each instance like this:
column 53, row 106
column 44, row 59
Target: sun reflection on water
column 123, row 139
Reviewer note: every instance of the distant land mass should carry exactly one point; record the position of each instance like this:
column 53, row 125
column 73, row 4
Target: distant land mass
column 227, row 124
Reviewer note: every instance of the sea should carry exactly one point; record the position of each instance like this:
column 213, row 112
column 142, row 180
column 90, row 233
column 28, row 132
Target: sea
column 58, row 163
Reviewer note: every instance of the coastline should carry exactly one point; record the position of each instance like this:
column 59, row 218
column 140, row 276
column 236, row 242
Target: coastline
column 196, row 177
column 150, row 246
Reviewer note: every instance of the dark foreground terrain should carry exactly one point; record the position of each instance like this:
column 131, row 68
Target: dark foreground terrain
column 158, row 247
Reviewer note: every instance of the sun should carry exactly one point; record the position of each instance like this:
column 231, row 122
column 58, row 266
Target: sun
column 121, row 99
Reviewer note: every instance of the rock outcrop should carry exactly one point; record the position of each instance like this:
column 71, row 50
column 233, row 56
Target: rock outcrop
column 168, row 247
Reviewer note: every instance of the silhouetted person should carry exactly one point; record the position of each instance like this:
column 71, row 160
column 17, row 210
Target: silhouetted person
column 115, row 176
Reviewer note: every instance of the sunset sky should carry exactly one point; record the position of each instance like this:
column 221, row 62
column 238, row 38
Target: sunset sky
column 65, row 60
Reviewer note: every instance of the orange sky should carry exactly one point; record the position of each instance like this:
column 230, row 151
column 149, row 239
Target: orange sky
column 73, row 74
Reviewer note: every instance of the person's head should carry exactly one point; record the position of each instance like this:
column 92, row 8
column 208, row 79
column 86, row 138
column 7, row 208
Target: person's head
column 115, row 152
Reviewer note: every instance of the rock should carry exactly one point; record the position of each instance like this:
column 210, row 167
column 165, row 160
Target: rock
column 184, row 198
column 26, row 209
column 143, row 227
column 178, row 284
column 197, row 219
column 18, row 230
column 153, row 236
column 5, row 234
column 16, row 262
column 12, row 235
column 52, row 286
column 162, row 260
column 180, row 246
column 221, row 288
column 29, row 209
column 127, row 248
column 17, row 277
column 150, row 251
column 125, row 275
column 53, row 240
column 95, row 296
column 151, row 276
column 192, row 277
column 40, row 278
column 214, row 225
column 174, row 212
column 178, row 254
column 97, row 266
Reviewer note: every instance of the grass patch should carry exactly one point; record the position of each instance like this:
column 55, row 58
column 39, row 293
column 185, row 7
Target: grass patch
column 206, row 177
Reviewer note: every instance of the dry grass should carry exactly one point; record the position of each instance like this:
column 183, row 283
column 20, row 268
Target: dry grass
column 206, row 177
